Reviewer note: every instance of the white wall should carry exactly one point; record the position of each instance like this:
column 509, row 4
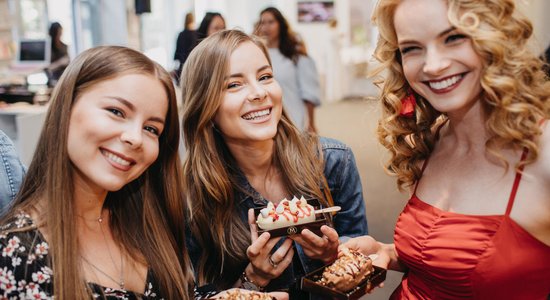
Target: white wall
column 538, row 12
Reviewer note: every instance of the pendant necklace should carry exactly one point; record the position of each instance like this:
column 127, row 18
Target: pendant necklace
column 119, row 282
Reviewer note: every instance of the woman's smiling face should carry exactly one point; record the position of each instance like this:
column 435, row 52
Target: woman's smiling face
column 114, row 130
column 252, row 101
column 439, row 61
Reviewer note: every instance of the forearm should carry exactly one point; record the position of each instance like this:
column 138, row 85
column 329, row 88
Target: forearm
column 394, row 263
column 310, row 109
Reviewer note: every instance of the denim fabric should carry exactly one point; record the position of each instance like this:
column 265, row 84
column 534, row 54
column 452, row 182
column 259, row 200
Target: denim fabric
column 12, row 172
column 345, row 185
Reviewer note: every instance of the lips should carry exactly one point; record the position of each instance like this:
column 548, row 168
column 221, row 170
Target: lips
column 118, row 160
column 257, row 115
column 446, row 84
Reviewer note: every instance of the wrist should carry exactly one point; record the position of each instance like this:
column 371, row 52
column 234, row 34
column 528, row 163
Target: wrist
column 249, row 283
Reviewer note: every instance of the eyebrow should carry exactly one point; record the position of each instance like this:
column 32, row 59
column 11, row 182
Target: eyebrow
column 238, row 75
column 132, row 107
column 441, row 34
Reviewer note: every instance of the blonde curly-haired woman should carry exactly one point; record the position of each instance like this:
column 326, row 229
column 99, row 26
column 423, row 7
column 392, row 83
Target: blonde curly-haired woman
column 464, row 110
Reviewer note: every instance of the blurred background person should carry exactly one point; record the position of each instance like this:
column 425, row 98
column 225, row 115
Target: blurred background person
column 187, row 39
column 294, row 69
column 211, row 23
column 59, row 54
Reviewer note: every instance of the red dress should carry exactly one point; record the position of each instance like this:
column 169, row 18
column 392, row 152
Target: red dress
column 451, row 255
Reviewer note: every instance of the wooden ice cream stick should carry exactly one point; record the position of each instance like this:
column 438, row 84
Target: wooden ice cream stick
column 328, row 209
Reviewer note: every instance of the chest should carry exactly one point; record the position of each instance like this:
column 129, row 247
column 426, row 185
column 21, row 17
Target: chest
column 272, row 188
column 474, row 186
column 466, row 256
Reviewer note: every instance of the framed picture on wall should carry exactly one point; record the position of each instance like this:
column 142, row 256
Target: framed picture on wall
column 315, row 11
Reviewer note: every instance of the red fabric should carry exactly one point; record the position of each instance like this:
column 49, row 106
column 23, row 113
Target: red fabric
column 451, row 255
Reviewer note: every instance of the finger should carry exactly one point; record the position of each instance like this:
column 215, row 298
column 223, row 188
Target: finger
column 313, row 240
column 279, row 295
column 283, row 264
column 257, row 246
column 269, row 245
column 330, row 233
column 282, row 251
column 252, row 224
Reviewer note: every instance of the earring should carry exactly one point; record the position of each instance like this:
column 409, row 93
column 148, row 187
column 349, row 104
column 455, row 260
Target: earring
column 215, row 127
column 408, row 104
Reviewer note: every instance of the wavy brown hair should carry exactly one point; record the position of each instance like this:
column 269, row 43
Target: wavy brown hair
column 210, row 171
column 147, row 215
column 515, row 93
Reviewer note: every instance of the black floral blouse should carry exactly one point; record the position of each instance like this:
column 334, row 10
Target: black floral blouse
column 25, row 271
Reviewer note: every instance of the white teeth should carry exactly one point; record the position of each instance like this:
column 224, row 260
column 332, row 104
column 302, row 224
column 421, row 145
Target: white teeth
column 116, row 159
column 444, row 83
column 256, row 114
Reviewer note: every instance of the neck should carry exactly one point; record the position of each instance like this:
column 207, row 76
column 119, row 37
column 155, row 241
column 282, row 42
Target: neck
column 273, row 43
column 254, row 159
column 88, row 201
column 467, row 129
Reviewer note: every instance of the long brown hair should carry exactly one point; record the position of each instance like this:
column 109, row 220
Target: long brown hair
column 147, row 215
column 210, row 171
column 515, row 92
column 289, row 43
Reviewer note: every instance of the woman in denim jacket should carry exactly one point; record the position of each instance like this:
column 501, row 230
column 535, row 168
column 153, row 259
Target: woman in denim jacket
column 243, row 151
column 12, row 172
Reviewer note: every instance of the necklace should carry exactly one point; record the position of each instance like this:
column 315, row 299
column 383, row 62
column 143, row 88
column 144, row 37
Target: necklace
column 120, row 282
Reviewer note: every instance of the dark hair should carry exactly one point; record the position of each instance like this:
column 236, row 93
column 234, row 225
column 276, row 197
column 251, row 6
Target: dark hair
column 54, row 30
column 288, row 41
column 203, row 28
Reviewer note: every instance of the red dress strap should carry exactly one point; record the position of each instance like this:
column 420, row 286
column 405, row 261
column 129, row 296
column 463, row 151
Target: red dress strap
column 516, row 183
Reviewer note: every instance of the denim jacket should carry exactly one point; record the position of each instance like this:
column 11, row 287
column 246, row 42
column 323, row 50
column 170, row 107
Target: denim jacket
column 12, row 172
column 345, row 185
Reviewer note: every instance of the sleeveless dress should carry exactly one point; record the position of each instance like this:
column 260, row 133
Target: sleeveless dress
column 451, row 255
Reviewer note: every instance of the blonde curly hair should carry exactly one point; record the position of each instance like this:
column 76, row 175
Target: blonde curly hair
column 515, row 90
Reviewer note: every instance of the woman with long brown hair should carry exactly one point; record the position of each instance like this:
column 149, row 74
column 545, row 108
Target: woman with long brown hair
column 243, row 150
column 93, row 218
column 294, row 69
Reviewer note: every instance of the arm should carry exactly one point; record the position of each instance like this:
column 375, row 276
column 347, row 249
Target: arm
column 310, row 91
column 310, row 126
column 387, row 256
column 12, row 171
column 347, row 192
column 346, row 189
column 178, row 53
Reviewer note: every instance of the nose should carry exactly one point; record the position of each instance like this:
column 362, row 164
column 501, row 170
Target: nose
column 257, row 92
column 436, row 61
column 132, row 136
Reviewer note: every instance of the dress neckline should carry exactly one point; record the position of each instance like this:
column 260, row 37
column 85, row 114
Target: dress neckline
column 500, row 218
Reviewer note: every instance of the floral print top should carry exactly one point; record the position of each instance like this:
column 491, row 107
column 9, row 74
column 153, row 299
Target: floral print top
column 25, row 271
